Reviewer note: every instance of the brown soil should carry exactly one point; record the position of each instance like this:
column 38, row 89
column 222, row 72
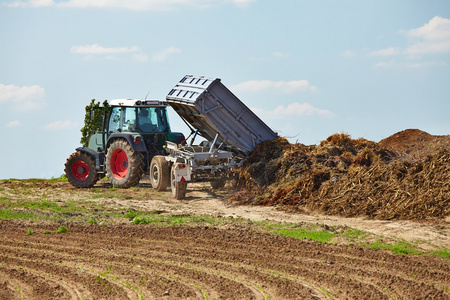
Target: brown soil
column 123, row 261
column 236, row 261
column 415, row 145
column 151, row 262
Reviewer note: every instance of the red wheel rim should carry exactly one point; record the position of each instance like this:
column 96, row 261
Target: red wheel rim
column 80, row 170
column 119, row 164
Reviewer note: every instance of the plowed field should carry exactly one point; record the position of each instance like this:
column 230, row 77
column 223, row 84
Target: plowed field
column 136, row 262
column 114, row 259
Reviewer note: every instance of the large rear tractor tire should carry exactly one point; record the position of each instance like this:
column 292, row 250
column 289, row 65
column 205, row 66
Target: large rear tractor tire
column 159, row 173
column 80, row 170
column 178, row 187
column 124, row 166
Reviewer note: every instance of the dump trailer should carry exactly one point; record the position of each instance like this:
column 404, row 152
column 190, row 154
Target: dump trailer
column 230, row 128
column 209, row 107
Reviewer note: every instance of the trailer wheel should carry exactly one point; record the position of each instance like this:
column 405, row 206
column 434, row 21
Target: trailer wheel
column 178, row 187
column 159, row 173
column 124, row 166
column 80, row 170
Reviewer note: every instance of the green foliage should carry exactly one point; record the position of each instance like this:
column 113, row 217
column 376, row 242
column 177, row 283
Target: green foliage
column 30, row 232
column 93, row 120
column 131, row 214
column 444, row 253
column 318, row 235
column 12, row 214
column 399, row 248
column 62, row 229
column 156, row 218
column 63, row 177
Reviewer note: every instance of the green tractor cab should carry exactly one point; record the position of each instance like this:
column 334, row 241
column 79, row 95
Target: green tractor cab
column 132, row 133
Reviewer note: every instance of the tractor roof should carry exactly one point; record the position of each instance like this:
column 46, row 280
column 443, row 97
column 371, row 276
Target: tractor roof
column 137, row 103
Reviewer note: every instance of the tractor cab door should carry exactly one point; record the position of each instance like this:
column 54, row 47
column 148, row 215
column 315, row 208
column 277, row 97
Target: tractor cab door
column 98, row 117
column 122, row 119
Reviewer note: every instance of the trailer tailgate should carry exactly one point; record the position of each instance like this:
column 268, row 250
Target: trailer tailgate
column 207, row 105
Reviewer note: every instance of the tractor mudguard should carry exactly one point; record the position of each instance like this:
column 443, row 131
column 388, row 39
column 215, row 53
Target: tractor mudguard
column 130, row 138
column 99, row 157
column 175, row 137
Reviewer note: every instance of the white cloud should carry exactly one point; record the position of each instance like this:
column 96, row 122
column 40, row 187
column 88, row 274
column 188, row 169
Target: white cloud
column 13, row 93
column 14, row 123
column 300, row 109
column 61, row 125
column 140, row 57
column 31, row 3
column 436, row 29
column 434, row 37
column 23, row 97
column 165, row 53
column 97, row 49
column 293, row 110
column 431, row 38
column 425, row 64
column 430, row 47
column 385, row 52
column 242, row 3
column 156, row 5
column 348, row 53
column 280, row 55
column 283, row 86
column 385, row 65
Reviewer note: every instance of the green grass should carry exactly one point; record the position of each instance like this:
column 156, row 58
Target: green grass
column 170, row 220
column 63, row 177
column 399, row 247
column 444, row 253
column 12, row 214
column 62, row 229
column 315, row 235
column 353, row 234
column 49, row 210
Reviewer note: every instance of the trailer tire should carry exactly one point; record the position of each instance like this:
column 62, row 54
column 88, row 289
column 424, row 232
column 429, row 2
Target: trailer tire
column 178, row 188
column 124, row 166
column 159, row 173
column 80, row 170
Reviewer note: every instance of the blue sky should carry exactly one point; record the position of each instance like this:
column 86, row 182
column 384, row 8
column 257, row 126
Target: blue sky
column 307, row 68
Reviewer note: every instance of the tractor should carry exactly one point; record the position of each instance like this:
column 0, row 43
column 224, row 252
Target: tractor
column 135, row 139
column 132, row 133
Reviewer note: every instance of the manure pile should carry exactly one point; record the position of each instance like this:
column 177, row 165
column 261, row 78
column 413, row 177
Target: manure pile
column 393, row 179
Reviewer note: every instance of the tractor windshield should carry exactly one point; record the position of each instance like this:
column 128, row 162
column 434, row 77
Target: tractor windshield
column 153, row 119
column 144, row 119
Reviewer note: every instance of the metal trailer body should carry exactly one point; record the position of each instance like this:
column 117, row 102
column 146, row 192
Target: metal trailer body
column 232, row 131
column 202, row 163
column 209, row 107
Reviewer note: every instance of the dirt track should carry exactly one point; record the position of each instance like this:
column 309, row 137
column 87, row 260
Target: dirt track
column 124, row 261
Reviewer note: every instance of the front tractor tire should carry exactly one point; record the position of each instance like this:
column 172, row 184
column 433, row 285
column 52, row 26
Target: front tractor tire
column 80, row 170
column 124, row 166
column 159, row 173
